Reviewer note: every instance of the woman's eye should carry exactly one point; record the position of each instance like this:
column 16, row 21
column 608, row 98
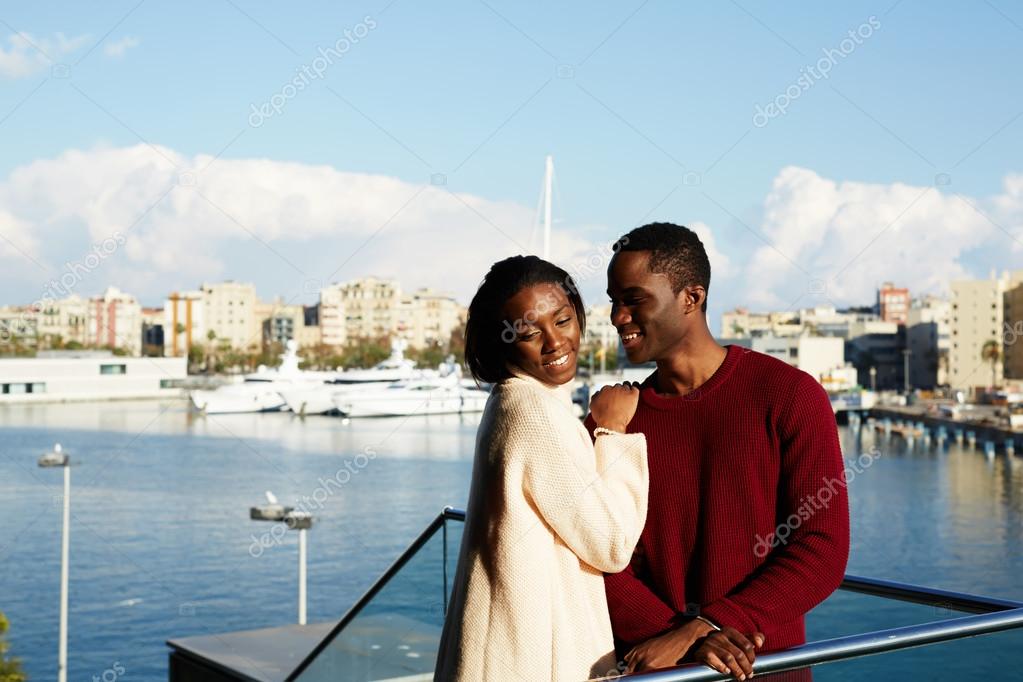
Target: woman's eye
column 529, row 337
column 564, row 321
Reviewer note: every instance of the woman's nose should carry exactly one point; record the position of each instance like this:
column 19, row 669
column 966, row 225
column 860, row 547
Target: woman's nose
column 553, row 342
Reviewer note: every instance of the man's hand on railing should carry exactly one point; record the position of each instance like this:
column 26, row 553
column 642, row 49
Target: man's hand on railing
column 729, row 651
column 667, row 650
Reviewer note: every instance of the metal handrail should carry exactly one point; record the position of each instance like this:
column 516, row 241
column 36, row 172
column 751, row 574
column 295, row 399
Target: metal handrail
column 955, row 601
column 851, row 646
column 398, row 564
column 993, row 615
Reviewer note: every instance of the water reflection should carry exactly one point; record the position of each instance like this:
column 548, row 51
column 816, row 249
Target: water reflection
column 949, row 516
column 426, row 436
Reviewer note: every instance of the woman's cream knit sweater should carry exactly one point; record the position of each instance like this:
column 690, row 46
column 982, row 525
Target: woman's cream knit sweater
column 548, row 513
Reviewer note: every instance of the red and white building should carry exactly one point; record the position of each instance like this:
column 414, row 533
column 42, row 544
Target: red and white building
column 893, row 303
column 114, row 320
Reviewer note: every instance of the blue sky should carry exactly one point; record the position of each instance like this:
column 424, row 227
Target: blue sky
column 904, row 163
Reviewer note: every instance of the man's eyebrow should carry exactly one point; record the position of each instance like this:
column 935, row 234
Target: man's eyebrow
column 630, row 290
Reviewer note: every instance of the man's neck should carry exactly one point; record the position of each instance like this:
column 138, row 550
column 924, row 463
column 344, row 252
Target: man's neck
column 690, row 365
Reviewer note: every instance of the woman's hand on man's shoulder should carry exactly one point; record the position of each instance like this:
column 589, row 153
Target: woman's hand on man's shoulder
column 612, row 407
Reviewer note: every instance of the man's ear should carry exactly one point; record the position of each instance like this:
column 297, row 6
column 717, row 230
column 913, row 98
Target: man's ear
column 693, row 298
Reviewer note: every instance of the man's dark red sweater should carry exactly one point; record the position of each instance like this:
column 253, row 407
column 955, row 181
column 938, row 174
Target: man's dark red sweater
column 748, row 521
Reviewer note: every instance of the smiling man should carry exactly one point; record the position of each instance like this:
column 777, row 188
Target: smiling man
column 748, row 522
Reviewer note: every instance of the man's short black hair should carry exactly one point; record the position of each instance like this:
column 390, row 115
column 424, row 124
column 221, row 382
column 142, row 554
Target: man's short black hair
column 488, row 336
column 675, row 251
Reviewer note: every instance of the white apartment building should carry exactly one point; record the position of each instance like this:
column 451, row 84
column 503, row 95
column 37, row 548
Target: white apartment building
column 818, row 356
column 977, row 316
column 929, row 340
column 229, row 311
column 114, row 320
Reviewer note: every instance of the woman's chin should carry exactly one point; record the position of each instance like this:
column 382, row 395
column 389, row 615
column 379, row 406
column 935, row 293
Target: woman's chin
column 561, row 374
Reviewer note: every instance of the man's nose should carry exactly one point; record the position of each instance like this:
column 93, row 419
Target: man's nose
column 620, row 316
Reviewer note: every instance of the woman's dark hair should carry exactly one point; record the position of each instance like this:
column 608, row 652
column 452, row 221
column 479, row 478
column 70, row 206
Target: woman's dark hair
column 488, row 336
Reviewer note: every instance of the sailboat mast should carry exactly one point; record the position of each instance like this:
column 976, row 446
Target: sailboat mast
column 548, row 187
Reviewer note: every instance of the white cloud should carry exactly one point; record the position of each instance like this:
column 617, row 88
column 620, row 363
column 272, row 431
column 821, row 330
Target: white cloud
column 720, row 264
column 26, row 55
column 16, row 240
column 190, row 218
column 851, row 236
column 424, row 235
column 117, row 48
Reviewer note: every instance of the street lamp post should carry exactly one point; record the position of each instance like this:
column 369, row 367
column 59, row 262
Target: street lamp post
column 873, row 379
column 58, row 458
column 294, row 520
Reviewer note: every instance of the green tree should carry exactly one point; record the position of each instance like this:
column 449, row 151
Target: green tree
column 10, row 668
column 992, row 352
column 362, row 353
column 196, row 357
column 429, row 357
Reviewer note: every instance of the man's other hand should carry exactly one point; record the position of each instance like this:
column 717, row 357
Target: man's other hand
column 729, row 651
column 665, row 651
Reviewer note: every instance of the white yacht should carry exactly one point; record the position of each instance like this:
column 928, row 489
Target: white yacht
column 441, row 394
column 260, row 391
column 318, row 398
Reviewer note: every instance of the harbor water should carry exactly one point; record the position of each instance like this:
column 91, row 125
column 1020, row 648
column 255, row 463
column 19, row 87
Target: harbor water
column 162, row 545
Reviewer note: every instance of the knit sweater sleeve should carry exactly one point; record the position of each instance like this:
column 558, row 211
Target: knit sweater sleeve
column 637, row 613
column 807, row 555
column 594, row 497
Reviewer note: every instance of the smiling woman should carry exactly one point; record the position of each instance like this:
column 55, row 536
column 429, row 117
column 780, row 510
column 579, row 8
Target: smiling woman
column 549, row 511
column 527, row 316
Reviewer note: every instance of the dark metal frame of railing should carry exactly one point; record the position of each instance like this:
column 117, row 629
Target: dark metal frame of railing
column 990, row 615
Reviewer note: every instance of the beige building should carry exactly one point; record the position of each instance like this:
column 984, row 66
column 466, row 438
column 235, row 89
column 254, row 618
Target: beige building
column 230, row 312
column 114, row 320
column 1012, row 332
column 183, row 323
column 333, row 322
column 371, row 307
column 64, row 319
column 741, row 323
column 599, row 330
column 427, row 318
column 977, row 316
column 19, row 327
column 284, row 322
